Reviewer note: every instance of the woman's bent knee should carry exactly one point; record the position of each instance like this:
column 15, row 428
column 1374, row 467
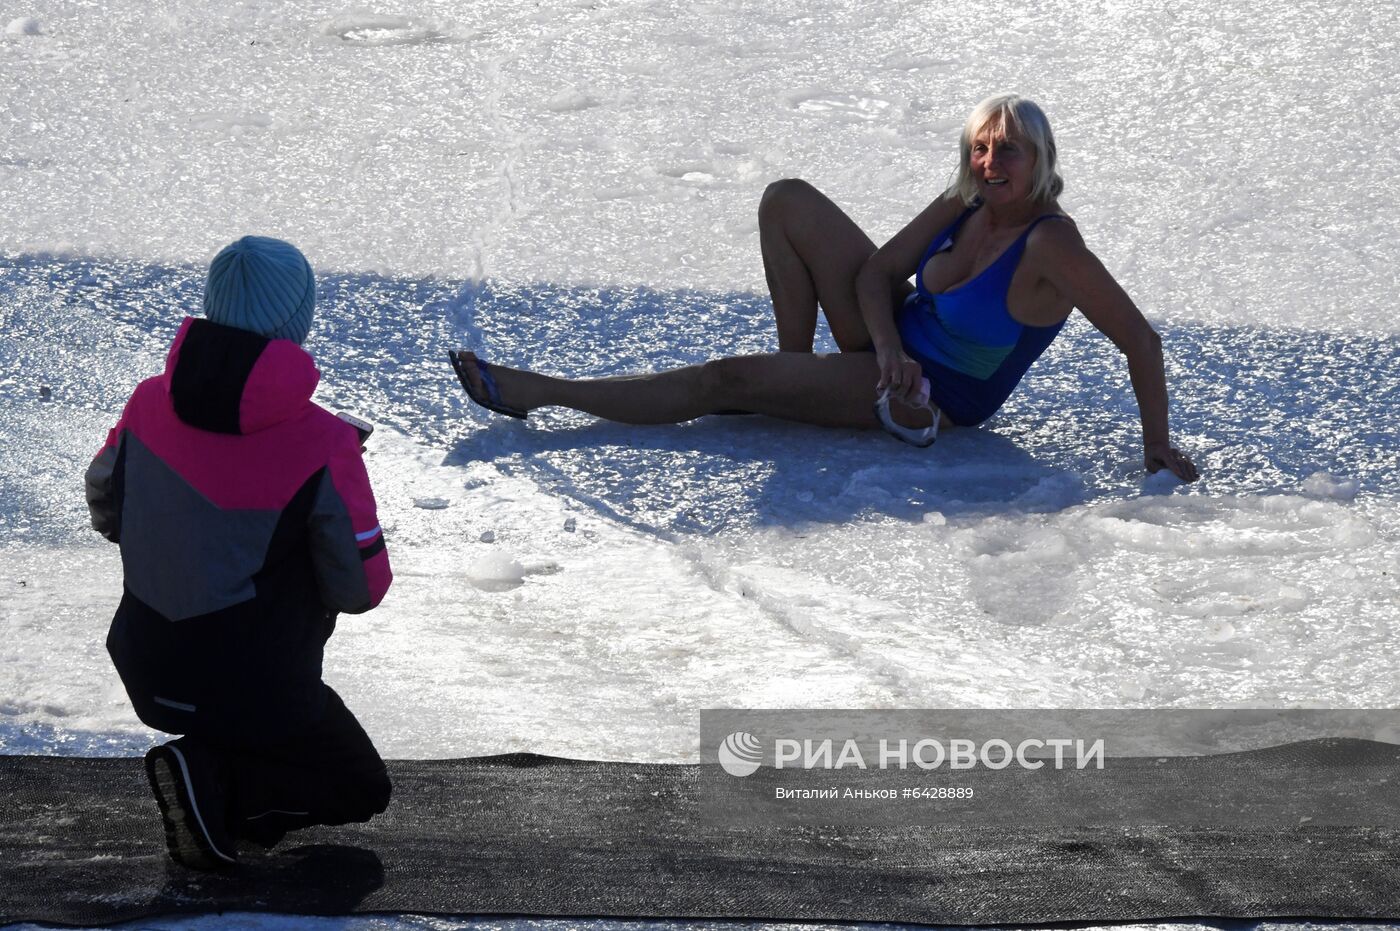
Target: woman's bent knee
column 781, row 195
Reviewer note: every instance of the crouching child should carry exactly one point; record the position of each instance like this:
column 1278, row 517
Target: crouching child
column 246, row 523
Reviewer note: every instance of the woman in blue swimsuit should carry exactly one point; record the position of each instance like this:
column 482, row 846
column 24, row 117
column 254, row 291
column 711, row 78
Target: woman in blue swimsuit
column 998, row 268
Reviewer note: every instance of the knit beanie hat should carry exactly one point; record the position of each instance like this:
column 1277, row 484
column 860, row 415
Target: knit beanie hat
column 262, row 285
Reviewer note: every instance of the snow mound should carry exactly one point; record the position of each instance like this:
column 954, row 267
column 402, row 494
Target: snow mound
column 1324, row 485
column 23, row 26
column 495, row 572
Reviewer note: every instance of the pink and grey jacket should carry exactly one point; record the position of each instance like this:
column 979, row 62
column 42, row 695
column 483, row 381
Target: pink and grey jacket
column 246, row 522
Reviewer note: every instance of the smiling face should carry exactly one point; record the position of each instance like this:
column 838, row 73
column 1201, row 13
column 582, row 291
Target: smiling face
column 1002, row 163
column 1007, row 155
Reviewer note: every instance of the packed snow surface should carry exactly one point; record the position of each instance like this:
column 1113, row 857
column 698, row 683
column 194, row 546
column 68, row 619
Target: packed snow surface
column 572, row 187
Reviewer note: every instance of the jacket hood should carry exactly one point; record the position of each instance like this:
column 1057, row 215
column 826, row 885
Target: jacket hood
column 228, row 380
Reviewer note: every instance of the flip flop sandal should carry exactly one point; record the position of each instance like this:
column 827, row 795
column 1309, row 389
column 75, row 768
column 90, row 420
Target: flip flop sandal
column 492, row 399
column 921, row 437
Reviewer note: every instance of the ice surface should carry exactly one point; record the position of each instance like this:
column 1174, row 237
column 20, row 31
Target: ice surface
column 740, row 561
column 1202, row 143
column 572, row 187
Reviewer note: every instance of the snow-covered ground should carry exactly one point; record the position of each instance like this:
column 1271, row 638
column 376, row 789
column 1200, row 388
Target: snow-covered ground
column 572, row 187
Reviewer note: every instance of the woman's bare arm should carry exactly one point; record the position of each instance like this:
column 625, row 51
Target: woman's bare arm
column 1066, row 262
column 892, row 263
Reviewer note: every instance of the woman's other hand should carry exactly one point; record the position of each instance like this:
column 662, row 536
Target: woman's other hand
column 1158, row 456
column 900, row 374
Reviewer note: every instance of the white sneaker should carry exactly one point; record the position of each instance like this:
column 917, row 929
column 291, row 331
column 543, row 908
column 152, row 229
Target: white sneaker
column 915, row 436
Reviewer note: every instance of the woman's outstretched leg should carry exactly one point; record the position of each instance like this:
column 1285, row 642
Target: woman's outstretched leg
column 664, row 397
column 833, row 390
column 811, row 254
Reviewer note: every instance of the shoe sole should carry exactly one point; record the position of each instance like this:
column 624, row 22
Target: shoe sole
column 185, row 835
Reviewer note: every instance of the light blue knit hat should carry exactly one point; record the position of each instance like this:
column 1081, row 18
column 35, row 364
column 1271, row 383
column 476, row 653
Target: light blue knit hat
column 262, row 285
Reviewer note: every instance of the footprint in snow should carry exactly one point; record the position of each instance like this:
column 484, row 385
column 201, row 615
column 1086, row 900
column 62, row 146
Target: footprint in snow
column 842, row 106
column 917, row 63
column 694, row 174
column 569, row 101
column 375, row 29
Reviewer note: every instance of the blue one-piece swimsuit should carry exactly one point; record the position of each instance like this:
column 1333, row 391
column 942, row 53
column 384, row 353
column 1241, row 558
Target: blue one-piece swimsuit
column 972, row 351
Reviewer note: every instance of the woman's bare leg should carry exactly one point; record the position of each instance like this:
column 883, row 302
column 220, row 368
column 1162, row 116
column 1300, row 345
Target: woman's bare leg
column 811, row 254
column 829, row 389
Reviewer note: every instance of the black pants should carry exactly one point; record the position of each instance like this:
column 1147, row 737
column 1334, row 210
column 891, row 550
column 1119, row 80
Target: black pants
column 327, row 774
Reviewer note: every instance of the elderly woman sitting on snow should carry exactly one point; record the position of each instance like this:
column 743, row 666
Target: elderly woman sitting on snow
column 998, row 268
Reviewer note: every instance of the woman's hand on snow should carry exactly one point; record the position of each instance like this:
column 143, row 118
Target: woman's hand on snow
column 1158, row 456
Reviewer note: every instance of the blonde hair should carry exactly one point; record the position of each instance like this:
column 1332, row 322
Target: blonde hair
column 1007, row 112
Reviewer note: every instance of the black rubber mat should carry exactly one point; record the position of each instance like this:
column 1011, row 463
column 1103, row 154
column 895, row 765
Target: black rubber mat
column 525, row 834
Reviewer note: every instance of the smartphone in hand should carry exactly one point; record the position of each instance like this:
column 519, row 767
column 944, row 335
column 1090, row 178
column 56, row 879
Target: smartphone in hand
column 363, row 426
